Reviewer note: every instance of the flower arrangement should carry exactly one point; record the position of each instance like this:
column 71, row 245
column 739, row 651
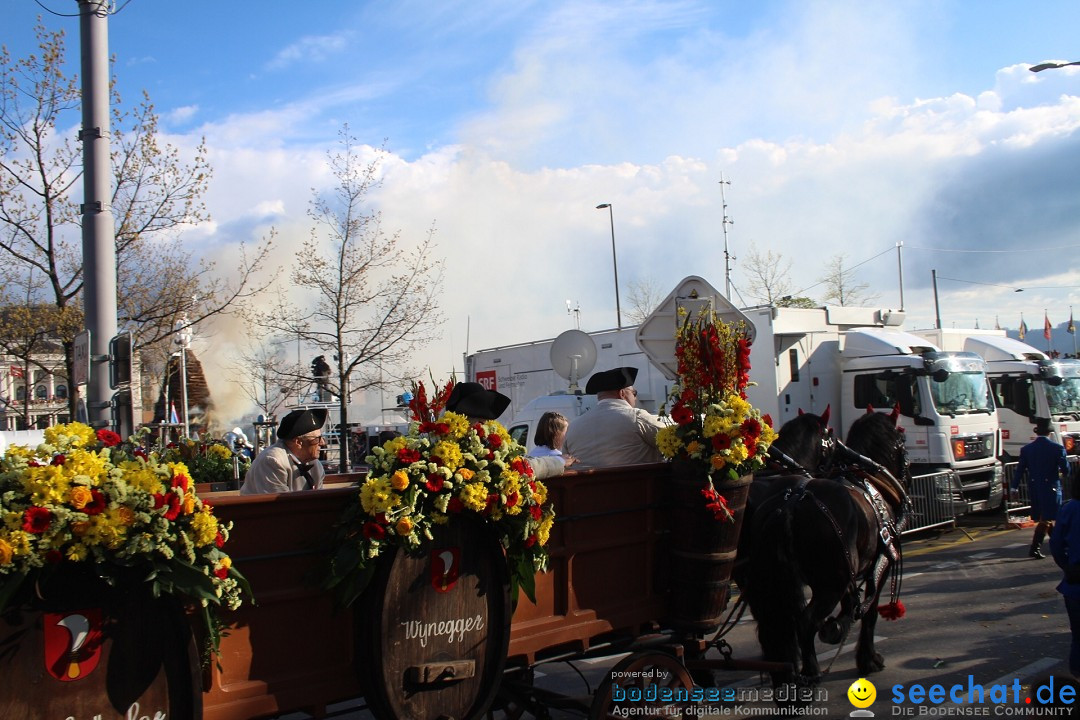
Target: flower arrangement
column 715, row 426
column 444, row 468
column 209, row 461
column 89, row 501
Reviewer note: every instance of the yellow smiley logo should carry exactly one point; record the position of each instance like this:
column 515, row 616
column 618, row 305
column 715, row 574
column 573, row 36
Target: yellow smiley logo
column 862, row 693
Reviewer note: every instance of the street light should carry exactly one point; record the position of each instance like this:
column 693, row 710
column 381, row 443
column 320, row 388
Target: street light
column 614, row 263
column 184, row 335
column 1051, row 66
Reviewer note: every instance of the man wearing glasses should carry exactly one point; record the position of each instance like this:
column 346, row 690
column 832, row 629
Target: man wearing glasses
column 292, row 463
column 616, row 431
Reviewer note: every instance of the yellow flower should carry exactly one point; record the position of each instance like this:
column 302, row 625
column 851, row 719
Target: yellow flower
column 219, row 451
column 474, row 496
column 668, row 442
column 6, row 552
column 449, row 453
column 540, row 493
column 205, row 528
column 393, row 445
column 694, row 447
column 125, row 516
column 400, row 480
column 466, row 474
column 377, row 496
column 458, row 425
column 189, row 504
column 404, row 526
column 738, row 453
column 544, row 531
column 80, row 496
column 77, row 553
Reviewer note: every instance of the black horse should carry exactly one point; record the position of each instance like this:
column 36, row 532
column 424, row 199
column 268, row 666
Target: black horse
column 837, row 536
column 803, row 446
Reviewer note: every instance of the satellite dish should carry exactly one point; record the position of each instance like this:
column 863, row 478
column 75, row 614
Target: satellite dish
column 573, row 356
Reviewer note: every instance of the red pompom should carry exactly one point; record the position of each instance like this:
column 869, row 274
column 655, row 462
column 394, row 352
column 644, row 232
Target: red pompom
column 892, row 611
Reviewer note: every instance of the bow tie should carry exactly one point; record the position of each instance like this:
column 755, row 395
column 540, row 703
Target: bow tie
column 304, row 471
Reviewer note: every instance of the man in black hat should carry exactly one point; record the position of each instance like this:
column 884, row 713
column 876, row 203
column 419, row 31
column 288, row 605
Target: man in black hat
column 616, row 431
column 291, row 463
column 1045, row 463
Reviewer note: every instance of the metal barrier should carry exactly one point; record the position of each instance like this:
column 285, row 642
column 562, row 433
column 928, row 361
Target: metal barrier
column 1020, row 502
column 934, row 501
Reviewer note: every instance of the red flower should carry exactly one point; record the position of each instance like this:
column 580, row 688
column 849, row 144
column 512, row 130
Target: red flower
column 434, row 482
column 374, row 531
column 682, row 414
column 219, row 541
column 751, row 427
column 530, row 541
column 140, row 453
column 36, row 520
column 720, row 441
column 492, row 501
column 495, row 441
column 512, row 500
column 537, row 512
column 408, row 456
column 53, row 557
column 97, row 503
column 767, row 419
column 170, row 501
column 181, row 481
column 108, row 438
column 441, row 428
column 455, row 505
column 221, row 573
column 479, row 430
column 59, row 460
column 521, row 465
column 33, row 463
column 751, row 446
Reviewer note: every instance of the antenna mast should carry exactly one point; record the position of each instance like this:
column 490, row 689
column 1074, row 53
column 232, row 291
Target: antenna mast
column 724, row 223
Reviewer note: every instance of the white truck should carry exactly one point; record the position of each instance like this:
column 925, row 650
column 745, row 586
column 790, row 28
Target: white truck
column 1027, row 385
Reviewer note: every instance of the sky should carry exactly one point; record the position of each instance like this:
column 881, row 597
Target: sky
column 838, row 129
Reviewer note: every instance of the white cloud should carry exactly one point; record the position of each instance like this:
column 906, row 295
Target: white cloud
column 311, row 49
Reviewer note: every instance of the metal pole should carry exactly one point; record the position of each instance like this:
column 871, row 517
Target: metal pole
column 900, row 262
column 937, row 307
column 724, row 223
column 614, row 263
column 183, row 389
column 98, row 243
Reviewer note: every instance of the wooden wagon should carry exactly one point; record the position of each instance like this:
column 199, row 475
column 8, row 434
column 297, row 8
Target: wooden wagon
column 433, row 635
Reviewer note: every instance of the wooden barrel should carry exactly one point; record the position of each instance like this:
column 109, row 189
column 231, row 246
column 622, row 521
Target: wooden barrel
column 702, row 549
column 433, row 629
column 98, row 655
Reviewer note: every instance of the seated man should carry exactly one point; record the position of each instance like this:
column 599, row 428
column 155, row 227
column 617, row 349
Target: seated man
column 291, row 463
column 615, row 432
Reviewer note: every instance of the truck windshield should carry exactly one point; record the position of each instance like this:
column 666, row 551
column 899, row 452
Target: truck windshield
column 1064, row 399
column 962, row 393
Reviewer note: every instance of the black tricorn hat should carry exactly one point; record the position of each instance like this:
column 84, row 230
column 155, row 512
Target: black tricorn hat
column 474, row 400
column 614, row 379
column 1042, row 426
column 301, row 422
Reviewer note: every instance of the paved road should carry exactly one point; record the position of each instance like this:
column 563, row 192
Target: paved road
column 980, row 613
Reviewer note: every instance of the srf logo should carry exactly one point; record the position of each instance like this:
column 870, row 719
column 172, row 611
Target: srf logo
column 72, row 643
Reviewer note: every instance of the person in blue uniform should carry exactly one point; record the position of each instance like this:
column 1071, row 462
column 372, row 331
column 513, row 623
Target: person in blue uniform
column 1044, row 462
column 1065, row 547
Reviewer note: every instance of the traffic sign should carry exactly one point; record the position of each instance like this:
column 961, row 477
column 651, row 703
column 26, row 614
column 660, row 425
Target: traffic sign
column 81, row 369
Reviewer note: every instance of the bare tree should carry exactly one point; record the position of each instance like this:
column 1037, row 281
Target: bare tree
column 371, row 299
column 265, row 375
column 767, row 276
column 156, row 193
column 840, row 285
column 642, row 297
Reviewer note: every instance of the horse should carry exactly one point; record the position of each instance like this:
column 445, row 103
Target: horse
column 804, row 445
column 836, row 535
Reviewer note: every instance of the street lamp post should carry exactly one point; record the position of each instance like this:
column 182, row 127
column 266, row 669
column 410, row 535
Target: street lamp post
column 614, row 263
column 183, row 339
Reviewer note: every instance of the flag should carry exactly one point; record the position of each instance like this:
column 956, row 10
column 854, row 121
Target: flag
column 1046, row 325
column 1023, row 328
column 173, row 417
column 15, row 371
column 1071, row 327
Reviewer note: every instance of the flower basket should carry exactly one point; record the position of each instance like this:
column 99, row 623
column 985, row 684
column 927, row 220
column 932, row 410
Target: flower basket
column 443, row 470
column 87, row 509
column 702, row 550
column 716, row 442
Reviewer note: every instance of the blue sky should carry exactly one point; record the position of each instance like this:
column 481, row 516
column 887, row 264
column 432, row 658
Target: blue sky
column 843, row 127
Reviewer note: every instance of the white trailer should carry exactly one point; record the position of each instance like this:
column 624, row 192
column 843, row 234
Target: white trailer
column 1027, row 385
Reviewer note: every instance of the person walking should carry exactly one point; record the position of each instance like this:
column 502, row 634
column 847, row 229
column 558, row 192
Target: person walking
column 1045, row 464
